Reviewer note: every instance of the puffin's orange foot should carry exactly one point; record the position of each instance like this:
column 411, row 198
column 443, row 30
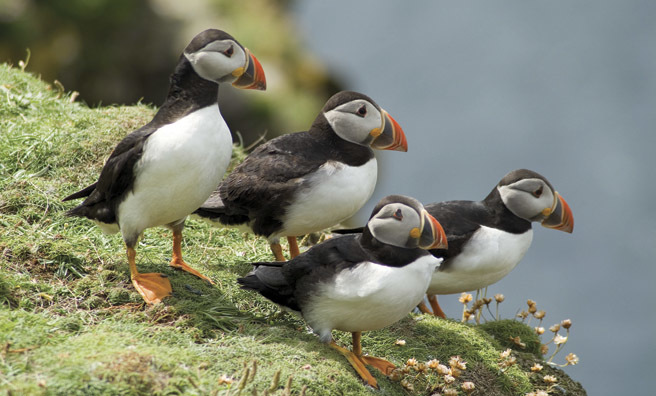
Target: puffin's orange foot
column 180, row 264
column 382, row 365
column 357, row 364
column 153, row 286
column 437, row 310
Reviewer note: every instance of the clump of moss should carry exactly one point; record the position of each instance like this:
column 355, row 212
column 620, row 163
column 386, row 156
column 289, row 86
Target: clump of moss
column 513, row 334
column 6, row 296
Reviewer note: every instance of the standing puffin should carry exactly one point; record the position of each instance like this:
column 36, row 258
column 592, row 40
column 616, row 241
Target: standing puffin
column 160, row 173
column 337, row 284
column 305, row 182
column 488, row 238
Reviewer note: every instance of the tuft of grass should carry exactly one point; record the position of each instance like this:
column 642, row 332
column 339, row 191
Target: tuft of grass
column 505, row 332
column 71, row 322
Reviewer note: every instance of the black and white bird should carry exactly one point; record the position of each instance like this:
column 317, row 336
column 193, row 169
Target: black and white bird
column 308, row 181
column 160, row 173
column 338, row 284
column 488, row 238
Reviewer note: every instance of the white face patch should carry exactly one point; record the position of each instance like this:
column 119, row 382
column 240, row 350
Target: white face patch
column 528, row 198
column 354, row 121
column 218, row 60
column 394, row 223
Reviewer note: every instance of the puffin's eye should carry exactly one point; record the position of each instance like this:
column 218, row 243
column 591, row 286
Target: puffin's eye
column 398, row 214
column 362, row 111
column 229, row 52
column 537, row 193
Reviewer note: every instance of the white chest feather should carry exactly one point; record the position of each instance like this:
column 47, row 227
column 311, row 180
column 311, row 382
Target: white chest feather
column 489, row 256
column 182, row 163
column 330, row 195
column 369, row 296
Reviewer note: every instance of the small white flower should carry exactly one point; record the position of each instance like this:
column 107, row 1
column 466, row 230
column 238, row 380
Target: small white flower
column 567, row 323
column 558, row 339
column 572, row 359
column 468, row 386
column 465, row 298
column 443, row 370
column 550, row 379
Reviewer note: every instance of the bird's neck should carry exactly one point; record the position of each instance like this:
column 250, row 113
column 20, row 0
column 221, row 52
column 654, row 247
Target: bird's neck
column 387, row 254
column 322, row 130
column 337, row 148
column 188, row 92
column 501, row 217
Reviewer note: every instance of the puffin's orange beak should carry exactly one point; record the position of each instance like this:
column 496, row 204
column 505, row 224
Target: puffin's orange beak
column 561, row 217
column 389, row 136
column 252, row 74
column 432, row 235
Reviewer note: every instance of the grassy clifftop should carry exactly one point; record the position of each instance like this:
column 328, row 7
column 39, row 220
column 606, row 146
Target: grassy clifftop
column 71, row 322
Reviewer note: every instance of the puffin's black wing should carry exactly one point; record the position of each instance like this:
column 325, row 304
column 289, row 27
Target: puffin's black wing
column 268, row 280
column 460, row 220
column 291, row 283
column 116, row 178
column 263, row 185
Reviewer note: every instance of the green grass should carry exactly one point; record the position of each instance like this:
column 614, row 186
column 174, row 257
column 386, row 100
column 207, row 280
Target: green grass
column 71, row 322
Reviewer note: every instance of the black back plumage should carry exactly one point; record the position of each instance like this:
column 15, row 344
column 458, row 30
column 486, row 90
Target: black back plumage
column 293, row 283
column 263, row 186
column 188, row 92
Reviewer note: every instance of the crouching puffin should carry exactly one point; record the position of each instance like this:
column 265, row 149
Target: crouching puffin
column 488, row 238
column 337, row 284
column 308, row 181
column 160, row 173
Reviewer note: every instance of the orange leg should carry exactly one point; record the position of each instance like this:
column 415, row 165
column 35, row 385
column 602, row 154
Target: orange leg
column 293, row 247
column 277, row 252
column 437, row 310
column 424, row 309
column 178, row 262
column 382, row 365
column 357, row 364
column 153, row 287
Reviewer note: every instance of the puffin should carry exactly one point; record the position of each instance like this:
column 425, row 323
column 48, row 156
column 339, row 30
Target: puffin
column 488, row 238
column 163, row 171
column 308, row 181
column 336, row 284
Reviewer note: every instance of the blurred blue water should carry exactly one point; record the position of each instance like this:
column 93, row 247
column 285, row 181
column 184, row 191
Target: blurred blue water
column 566, row 88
